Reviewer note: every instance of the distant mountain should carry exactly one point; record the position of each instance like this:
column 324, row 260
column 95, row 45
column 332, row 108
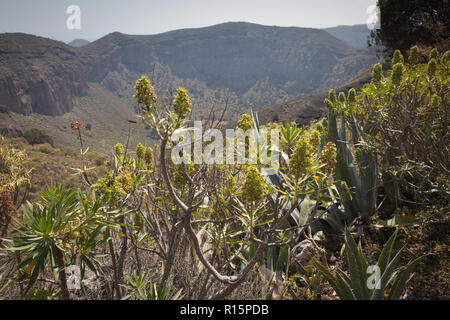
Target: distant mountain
column 78, row 43
column 356, row 35
column 247, row 65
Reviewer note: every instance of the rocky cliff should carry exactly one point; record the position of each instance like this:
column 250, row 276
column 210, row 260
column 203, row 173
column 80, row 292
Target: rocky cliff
column 40, row 75
column 256, row 66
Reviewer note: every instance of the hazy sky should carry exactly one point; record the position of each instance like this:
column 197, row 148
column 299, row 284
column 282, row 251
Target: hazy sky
column 100, row 17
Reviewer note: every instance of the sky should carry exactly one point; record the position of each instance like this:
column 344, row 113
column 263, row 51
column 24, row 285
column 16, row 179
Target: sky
column 49, row 18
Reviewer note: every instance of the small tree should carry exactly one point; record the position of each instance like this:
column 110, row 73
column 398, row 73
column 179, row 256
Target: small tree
column 36, row 136
column 244, row 214
column 405, row 23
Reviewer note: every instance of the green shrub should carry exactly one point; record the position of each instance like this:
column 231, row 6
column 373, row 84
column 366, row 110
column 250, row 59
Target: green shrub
column 44, row 148
column 36, row 136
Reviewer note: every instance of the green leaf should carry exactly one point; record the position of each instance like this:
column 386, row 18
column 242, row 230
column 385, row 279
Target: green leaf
column 36, row 270
column 386, row 253
column 402, row 278
column 398, row 221
column 357, row 267
column 339, row 285
column 378, row 294
column 282, row 258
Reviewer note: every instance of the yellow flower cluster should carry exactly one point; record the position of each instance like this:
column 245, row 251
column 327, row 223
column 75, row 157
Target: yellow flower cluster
column 328, row 158
column 182, row 103
column 245, row 123
column 119, row 149
column 254, row 188
column 145, row 93
column 301, row 159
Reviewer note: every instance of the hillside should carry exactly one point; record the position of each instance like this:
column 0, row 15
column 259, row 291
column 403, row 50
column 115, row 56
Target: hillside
column 261, row 65
column 304, row 109
column 356, row 35
column 38, row 75
column 105, row 113
column 246, row 65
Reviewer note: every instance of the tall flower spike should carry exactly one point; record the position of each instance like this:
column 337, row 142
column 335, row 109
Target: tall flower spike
column 432, row 67
column 329, row 104
column 246, row 122
column 119, row 149
column 314, row 138
column 351, row 96
column 140, row 150
column 328, row 157
column 397, row 74
column 145, row 93
column 332, row 96
column 182, row 103
column 301, row 160
column 446, row 57
column 397, row 58
column 414, row 55
column 253, row 189
column 377, row 74
column 434, row 54
column 148, row 155
column 342, row 97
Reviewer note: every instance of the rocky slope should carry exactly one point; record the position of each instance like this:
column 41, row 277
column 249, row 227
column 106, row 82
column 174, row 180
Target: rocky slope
column 252, row 65
column 304, row 109
column 39, row 75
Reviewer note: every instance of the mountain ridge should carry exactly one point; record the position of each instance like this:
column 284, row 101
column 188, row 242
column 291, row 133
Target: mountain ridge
column 244, row 66
column 356, row 35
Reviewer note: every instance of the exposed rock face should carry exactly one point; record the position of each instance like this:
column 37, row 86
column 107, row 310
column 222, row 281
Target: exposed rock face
column 39, row 75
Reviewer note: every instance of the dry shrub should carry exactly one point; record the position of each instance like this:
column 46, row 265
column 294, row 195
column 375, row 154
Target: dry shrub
column 7, row 211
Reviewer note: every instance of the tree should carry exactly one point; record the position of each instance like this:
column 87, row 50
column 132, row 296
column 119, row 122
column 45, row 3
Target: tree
column 405, row 23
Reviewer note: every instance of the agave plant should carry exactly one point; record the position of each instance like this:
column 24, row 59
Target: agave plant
column 359, row 285
column 139, row 286
column 67, row 223
column 357, row 174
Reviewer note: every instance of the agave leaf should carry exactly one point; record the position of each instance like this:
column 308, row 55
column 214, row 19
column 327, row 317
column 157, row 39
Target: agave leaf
column 369, row 175
column 386, row 276
column 270, row 257
column 402, row 278
column 369, row 123
column 397, row 221
column 282, row 258
column 386, row 253
column 357, row 269
column 339, row 285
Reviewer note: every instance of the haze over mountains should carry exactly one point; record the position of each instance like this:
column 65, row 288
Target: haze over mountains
column 248, row 65
column 356, row 35
column 78, row 43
